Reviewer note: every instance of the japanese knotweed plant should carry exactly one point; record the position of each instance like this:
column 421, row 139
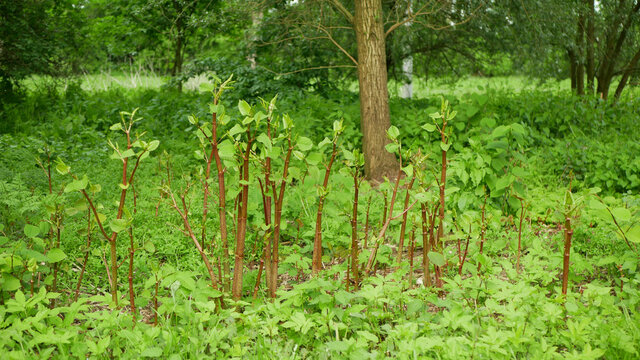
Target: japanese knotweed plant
column 132, row 151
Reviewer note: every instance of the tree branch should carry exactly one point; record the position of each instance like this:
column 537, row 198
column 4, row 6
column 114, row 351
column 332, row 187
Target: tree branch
column 338, row 5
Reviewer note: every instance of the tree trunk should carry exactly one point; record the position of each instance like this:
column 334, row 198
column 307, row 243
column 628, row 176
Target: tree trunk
column 613, row 48
column 580, row 56
column 374, row 95
column 591, row 39
column 631, row 67
column 572, row 69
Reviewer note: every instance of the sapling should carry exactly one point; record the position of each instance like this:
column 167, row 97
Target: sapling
column 316, row 265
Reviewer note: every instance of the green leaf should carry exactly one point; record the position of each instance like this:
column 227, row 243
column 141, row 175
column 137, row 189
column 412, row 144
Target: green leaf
column 153, row 145
column 264, row 140
column 226, row 150
column 236, row 129
column 337, row 127
column 348, row 155
column 77, row 185
column 429, row 127
column 116, row 127
column 314, row 158
column 304, row 143
column 324, row 142
column 152, row 352
column 244, row 107
column 445, row 147
column 367, row 336
column 117, row 225
column 206, row 87
column 392, row 147
column 56, row 255
column 393, row 133
column 436, row 258
column 595, row 204
column 621, row 214
column 298, row 154
column 31, row 231
column 9, row 282
column 408, row 170
column 61, row 167
column 149, row 247
column 123, row 186
column 633, row 234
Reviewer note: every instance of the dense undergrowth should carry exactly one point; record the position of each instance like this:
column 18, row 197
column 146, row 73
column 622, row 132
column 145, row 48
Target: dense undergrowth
column 519, row 165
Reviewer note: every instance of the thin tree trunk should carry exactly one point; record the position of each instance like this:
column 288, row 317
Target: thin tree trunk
column 631, row 67
column 374, row 95
column 591, row 39
column 580, row 56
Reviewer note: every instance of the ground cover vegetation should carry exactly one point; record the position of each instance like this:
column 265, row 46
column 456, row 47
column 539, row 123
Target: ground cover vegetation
column 194, row 195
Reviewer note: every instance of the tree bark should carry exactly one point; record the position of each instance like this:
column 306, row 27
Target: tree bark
column 374, row 95
column 580, row 56
column 631, row 67
column 591, row 39
column 613, row 48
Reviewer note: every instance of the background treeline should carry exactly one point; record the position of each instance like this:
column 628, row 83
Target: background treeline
column 593, row 43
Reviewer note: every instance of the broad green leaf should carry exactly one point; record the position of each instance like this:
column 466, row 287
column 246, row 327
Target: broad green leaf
column 77, row 185
column 236, row 129
column 621, row 214
column 116, row 127
column 9, row 282
column 304, row 143
column 393, row 133
column 348, row 155
column 368, row 336
column 118, row 225
column 56, row 255
column 314, row 158
column 149, row 247
column 226, row 150
column 61, row 167
column 151, row 352
column 153, row 145
column 408, row 170
column 436, row 258
column 392, row 147
column 31, row 231
column 324, row 142
column 595, row 204
column 264, row 140
column 633, row 234
column 244, row 107
column 429, row 127
column 445, row 147
column 205, row 87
